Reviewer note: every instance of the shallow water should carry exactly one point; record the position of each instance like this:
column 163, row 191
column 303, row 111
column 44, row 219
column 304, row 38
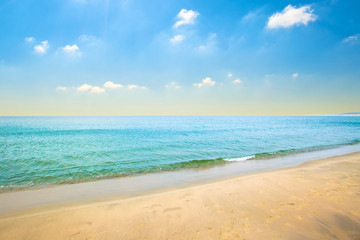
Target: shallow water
column 38, row 151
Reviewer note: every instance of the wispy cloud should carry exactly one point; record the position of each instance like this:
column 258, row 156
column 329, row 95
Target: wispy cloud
column 186, row 17
column 352, row 38
column 134, row 86
column 250, row 16
column 61, row 89
column 110, row 84
column 29, row 39
column 237, row 81
column 205, row 82
column 295, row 75
column 86, row 38
column 210, row 44
column 177, row 39
column 229, row 75
column 172, row 85
column 291, row 16
column 42, row 47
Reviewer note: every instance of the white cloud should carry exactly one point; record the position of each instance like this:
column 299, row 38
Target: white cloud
column 84, row 88
column 88, row 88
column 291, row 16
column 97, row 90
column 352, row 38
column 186, row 17
column 177, row 39
column 230, row 75
column 205, row 82
column 237, row 81
column 29, row 39
column 71, row 49
column 133, row 86
column 42, row 47
column 172, row 85
column 110, row 84
column 295, row 75
column 61, row 89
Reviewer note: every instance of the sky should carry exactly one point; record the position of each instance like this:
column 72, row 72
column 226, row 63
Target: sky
column 179, row 57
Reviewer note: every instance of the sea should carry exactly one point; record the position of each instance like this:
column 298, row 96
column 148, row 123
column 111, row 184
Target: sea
column 47, row 151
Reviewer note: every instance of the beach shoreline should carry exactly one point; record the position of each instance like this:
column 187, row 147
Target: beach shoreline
column 316, row 199
column 145, row 184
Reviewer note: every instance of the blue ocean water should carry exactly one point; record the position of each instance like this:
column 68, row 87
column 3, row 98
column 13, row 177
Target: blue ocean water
column 38, row 151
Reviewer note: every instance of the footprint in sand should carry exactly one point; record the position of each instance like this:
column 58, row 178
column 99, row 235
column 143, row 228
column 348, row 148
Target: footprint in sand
column 187, row 197
column 169, row 210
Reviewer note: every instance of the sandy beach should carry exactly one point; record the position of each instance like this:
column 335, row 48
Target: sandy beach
column 316, row 200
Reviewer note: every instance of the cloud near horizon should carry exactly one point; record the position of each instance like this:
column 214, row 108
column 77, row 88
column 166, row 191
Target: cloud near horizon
column 237, row 81
column 91, row 89
column 61, row 88
column 112, row 85
column 173, row 84
column 96, row 89
column 291, row 16
column 205, row 82
column 134, row 86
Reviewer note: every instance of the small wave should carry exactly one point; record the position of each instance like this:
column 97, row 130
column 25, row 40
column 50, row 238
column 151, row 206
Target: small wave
column 239, row 159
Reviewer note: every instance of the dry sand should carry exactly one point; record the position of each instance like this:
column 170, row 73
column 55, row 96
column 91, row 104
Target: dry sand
column 316, row 200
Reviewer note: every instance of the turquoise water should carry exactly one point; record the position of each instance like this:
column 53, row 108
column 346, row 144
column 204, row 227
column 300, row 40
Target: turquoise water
column 38, row 151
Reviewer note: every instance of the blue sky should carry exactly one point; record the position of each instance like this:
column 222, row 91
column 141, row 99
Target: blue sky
column 137, row 57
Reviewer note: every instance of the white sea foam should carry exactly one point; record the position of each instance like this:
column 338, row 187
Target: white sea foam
column 239, row 159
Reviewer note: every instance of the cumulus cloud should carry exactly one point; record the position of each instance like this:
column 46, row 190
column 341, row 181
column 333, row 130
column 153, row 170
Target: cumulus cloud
column 42, row 47
column 29, row 39
column 295, row 75
column 205, row 82
column 88, row 88
column 133, row 86
column 186, row 17
column 97, row 90
column 352, row 38
column 237, row 81
column 71, row 49
column 292, row 16
column 172, row 85
column 61, row 89
column 229, row 75
column 177, row 39
column 84, row 88
column 110, row 84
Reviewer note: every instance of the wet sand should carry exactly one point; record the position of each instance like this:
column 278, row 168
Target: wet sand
column 316, row 200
